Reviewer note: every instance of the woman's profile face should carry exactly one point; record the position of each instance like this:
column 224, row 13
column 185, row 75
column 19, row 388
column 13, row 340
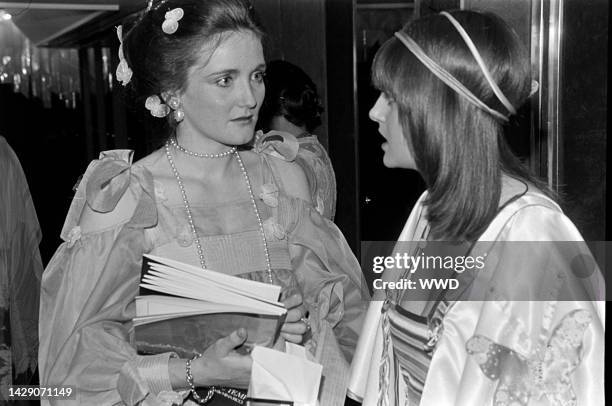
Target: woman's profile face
column 397, row 153
column 225, row 90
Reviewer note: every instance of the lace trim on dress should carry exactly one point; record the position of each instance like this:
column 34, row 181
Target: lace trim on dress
column 545, row 374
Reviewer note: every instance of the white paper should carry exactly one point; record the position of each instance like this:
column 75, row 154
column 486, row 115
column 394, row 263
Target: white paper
column 281, row 376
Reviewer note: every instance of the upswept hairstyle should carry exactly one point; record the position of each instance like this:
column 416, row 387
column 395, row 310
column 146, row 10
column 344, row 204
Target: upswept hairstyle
column 459, row 149
column 292, row 94
column 160, row 62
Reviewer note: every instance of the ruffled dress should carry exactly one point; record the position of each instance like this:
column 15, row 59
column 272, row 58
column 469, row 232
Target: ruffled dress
column 88, row 288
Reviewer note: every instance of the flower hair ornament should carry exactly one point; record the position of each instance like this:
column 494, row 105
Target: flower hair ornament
column 123, row 73
column 172, row 17
column 161, row 106
column 156, row 107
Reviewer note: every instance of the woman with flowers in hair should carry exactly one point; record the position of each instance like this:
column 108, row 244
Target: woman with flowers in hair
column 524, row 328
column 197, row 66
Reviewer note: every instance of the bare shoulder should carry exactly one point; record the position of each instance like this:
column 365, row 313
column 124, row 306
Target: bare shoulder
column 154, row 161
column 292, row 177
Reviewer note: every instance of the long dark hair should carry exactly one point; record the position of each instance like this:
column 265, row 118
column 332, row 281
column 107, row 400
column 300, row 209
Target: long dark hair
column 459, row 149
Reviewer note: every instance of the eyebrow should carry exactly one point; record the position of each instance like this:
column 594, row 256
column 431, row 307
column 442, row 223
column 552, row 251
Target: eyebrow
column 222, row 72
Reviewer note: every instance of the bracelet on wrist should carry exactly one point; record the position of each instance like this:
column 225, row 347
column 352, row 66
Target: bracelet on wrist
column 189, row 376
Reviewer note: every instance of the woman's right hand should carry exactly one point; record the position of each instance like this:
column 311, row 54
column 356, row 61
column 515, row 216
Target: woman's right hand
column 220, row 365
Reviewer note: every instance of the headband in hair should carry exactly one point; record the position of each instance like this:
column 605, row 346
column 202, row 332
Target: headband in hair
column 468, row 41
column 445, row 76
column 450, row 80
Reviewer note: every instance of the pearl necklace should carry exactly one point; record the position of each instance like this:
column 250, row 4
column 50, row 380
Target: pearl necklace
column 179, row 180
column 176, row 145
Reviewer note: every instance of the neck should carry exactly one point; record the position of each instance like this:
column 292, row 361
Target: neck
column 280, row 123
column 511, row 187
column 198, row 143
column 208, row 167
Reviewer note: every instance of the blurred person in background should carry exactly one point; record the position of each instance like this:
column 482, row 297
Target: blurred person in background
column 20, row 272
column 292, row 105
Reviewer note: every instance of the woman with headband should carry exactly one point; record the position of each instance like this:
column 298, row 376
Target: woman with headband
column 514, row 319
column 198, row 68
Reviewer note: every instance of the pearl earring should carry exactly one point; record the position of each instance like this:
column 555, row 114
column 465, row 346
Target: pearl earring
column 179, row 115
column 174, row 102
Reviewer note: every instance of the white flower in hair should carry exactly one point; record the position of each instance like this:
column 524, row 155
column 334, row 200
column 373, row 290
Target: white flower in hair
column 170, row 24
column 156, row 107
column 123, row 73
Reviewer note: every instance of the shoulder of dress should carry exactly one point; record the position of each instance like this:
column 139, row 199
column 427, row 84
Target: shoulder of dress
column 278, row 144
column 293, row 179
column 531, row 204
column 537, row 198
column 112, row 191
column 534, row 217
column 278, row 150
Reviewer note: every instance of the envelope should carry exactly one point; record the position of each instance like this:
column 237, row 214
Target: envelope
column 279, row 378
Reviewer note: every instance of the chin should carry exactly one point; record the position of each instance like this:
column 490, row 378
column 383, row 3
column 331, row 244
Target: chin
column 248, row 136
column 388, row 161
column 244, row 136
column 391, row 162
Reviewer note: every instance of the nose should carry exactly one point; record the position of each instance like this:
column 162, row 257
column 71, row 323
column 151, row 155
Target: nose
column 377, row 112
column 247, row 97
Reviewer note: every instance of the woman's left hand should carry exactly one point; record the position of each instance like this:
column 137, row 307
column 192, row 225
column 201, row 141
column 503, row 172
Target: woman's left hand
column 295, row 325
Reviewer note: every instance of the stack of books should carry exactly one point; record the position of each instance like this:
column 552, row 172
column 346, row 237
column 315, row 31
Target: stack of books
column 185, row 309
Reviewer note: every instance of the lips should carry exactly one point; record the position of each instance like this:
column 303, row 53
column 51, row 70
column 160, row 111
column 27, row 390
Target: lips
column 243, row 119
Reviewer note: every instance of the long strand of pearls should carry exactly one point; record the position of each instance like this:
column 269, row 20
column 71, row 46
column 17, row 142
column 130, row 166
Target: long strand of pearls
column 233, row 150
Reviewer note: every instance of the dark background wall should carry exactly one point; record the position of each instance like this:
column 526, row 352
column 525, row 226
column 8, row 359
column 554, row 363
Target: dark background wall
column 296, row 33
column 583, row 114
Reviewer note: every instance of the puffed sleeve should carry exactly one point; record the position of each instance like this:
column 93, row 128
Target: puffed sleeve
column 535, row 333
column 328, row 273
column 310, row 155
column 88, row 289
column 330, row 276
column 315, row 162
